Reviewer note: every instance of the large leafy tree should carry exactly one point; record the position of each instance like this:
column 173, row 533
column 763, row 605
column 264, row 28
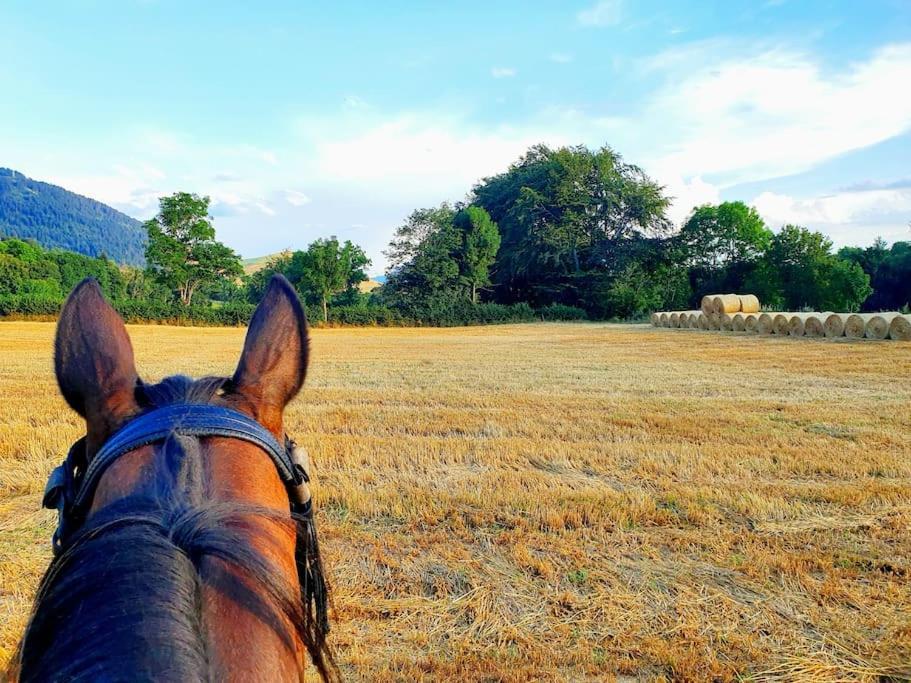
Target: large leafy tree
column 328, row 267
column 560, row 213
column 721, row 245
column 182, row 251
column 719, row 236
column 480, row 241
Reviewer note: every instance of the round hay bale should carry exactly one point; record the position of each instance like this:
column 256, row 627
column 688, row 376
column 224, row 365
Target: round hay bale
column 797, row 324
column 693, row 320
column 726, row 303
column 655, row 318
column 900, row 328
column 834, row 325
column 726, row 322
column 675, row 319
column 751, row 323
column 814, row 325
column 749, row 303
column 706, row 305
column 765, row 323
column 856, row 325
column 714, row 322
column 781, row 323
column 877, row 326
column 738, row 322
column 703, row 321
column 665, row 319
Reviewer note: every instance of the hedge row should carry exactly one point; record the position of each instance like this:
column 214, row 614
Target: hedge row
column 238, row 313
column 134, row 311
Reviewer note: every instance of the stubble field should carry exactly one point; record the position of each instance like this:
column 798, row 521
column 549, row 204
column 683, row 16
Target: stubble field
column 564, row 501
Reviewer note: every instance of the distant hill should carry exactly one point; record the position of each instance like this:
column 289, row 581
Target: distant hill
column 55, row 217
column 251, row 265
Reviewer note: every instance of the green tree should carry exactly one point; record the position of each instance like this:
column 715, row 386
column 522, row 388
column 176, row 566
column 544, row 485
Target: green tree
column 182, row 250
column 716, row 237
column 560, row 213
column 800, row 271
column 422, row 259
column 722, row 246
column 480, row 243
column 870, row 259
column 847, row 286
column 13, row 273
column 328, row 267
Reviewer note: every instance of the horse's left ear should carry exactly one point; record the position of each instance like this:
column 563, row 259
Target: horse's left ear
column 93, row 360
column 273, row 364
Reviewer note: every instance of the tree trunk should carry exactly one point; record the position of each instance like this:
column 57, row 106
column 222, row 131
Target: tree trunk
column 474, row 293
column 325, row 310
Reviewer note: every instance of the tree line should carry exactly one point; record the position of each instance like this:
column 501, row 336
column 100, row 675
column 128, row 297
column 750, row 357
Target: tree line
column 582, row 228
column 565, row 233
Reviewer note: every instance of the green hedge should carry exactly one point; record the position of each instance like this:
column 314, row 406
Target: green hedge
column 239, row 313
column 29, row 304
column 134, row 311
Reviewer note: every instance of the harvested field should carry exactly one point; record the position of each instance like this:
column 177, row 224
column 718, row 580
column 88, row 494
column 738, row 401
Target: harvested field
column 562, row 501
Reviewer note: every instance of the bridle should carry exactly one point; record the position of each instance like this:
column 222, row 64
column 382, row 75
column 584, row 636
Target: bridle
column 71, row 486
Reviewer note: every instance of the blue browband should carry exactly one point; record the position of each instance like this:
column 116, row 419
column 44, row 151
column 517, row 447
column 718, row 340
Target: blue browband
column 71, row 486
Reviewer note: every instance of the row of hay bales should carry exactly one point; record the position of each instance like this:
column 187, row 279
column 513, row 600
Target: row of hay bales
column 740, row 313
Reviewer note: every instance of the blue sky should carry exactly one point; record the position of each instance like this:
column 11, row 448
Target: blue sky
column 301, row 120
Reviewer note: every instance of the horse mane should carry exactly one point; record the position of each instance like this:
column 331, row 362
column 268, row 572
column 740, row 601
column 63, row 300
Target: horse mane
column 89, row 624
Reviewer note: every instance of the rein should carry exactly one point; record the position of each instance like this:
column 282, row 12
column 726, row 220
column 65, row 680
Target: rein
column 71, row 486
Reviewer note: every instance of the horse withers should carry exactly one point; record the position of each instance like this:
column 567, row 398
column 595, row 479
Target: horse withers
column 186, row 548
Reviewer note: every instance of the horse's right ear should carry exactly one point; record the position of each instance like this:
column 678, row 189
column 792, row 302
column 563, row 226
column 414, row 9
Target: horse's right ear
column 93, row 360
column 273, row 364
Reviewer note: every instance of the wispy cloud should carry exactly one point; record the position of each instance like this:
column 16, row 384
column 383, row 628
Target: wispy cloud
column 603, row 13
column 295, row 198
column 764, row 115
column 503, row 72
column 846, row 217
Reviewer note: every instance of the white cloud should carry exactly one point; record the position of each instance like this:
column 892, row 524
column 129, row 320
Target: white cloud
column 264, row 208
column 688, row 194
column 426, row 155
column 775, row 113
column 134, row 189
column 295, row 198
column 603, row 13
column 502, row 72
column 847, row 217
column 759, row 114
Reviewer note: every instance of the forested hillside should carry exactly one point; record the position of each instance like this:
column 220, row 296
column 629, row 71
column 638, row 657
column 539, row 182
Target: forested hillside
column 55, row 217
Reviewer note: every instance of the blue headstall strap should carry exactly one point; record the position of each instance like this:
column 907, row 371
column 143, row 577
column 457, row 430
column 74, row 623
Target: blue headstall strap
column 71, row 486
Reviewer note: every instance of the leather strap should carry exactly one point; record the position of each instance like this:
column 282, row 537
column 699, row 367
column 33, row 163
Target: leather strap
column 70, row 489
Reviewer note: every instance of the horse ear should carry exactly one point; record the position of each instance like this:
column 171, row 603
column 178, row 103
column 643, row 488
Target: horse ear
column 273, row 364
column 93, row 360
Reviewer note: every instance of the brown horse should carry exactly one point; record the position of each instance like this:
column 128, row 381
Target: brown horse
column 188, row 562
